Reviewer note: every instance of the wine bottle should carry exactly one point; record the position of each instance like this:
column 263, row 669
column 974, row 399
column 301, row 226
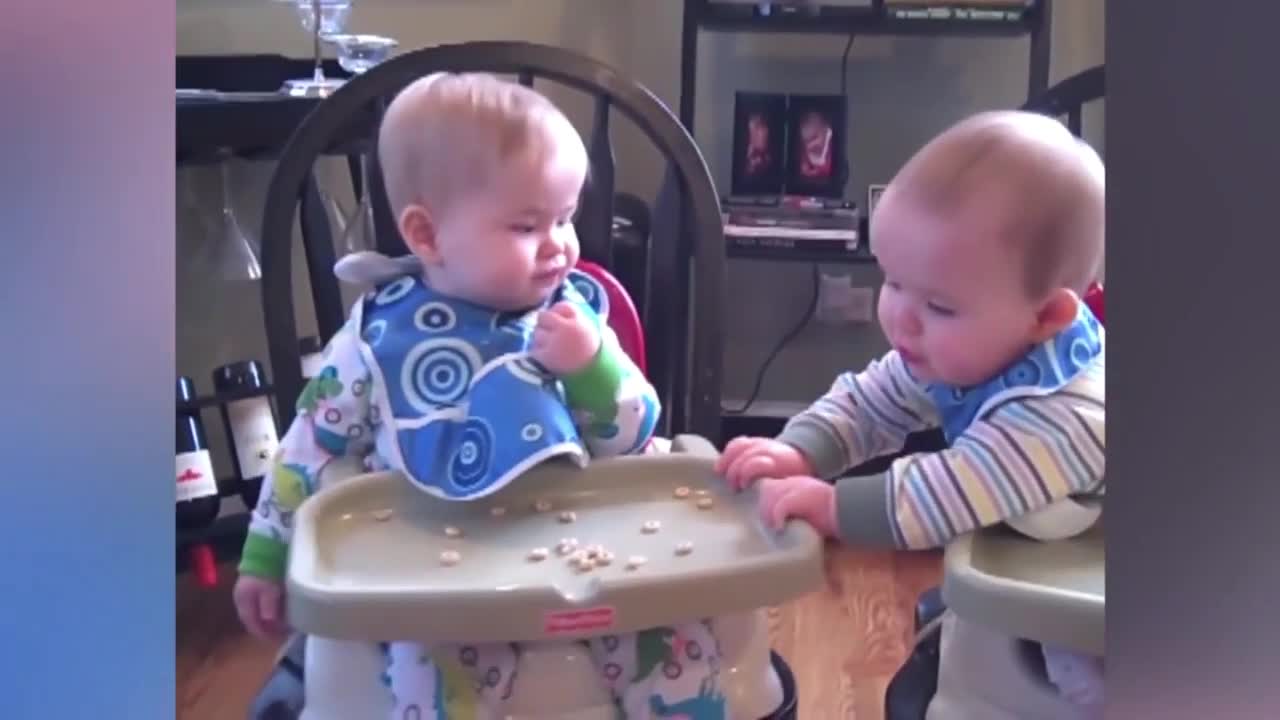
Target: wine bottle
column 312, row 352
column 198, row 501
column 250, row 423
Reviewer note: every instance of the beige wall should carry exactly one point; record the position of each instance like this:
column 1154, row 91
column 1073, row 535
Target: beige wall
column 902, row 91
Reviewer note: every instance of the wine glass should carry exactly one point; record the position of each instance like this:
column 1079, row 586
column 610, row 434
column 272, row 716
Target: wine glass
column 332, row 17
column 357, row 54
column 236, row 255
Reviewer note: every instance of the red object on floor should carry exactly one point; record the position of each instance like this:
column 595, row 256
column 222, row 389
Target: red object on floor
column 623, row 318
column 1093, row 297
column 204, row 565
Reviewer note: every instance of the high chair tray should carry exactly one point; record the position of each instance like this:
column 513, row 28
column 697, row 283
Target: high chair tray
column 367, row 554
column 1048, row 592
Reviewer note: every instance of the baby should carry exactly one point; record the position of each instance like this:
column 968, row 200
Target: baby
column 477, row 356
column 988, row 238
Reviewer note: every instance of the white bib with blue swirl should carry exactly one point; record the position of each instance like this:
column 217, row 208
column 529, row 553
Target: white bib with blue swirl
column 468, row 410
column 1045, row 369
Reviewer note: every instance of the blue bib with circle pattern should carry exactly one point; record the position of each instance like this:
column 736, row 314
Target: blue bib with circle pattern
column 469, row 410
column 1045, row 369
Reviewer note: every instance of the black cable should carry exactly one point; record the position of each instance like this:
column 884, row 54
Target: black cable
column 844, row 96
column 844, row 68
column 813, row 301
column 809, row 312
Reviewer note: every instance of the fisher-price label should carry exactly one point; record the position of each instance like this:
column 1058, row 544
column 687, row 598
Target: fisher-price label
column 565, row 622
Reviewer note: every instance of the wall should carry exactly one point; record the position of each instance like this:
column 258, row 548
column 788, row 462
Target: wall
column 903, row 91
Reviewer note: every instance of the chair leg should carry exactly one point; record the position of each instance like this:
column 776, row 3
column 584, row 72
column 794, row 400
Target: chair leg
column 916, row 682
column 929, row 607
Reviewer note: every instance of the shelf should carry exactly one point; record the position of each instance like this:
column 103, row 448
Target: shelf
column 252, row 125
column 208, row 401
column 785, row 250
column 964, row 20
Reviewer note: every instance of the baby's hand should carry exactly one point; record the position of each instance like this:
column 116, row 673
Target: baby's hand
column 260, row 605
column 805, row 498
column 564, row 340
column 747, row 459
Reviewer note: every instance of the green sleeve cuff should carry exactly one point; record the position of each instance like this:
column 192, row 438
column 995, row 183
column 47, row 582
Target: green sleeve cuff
column 862, row 511
column 595, row 387
column 819, row 446
column 263, row 557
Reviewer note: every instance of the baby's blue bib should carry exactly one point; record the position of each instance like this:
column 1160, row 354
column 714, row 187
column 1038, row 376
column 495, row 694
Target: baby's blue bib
column 469, row 410
column 1045, row 369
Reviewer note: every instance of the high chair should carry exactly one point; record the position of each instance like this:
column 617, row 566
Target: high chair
column 756, row 682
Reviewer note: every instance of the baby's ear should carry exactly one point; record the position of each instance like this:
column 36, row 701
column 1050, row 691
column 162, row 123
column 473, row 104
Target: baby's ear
column 1057, row 312
column 419, row 233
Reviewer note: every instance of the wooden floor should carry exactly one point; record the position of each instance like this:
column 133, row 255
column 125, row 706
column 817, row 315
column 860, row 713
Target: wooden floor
column 843, row 643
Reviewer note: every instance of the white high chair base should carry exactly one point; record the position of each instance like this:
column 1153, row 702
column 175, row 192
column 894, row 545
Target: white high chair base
column 984, row 675
column 556, row 680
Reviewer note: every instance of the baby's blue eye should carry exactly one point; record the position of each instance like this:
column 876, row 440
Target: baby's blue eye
column 522, row 229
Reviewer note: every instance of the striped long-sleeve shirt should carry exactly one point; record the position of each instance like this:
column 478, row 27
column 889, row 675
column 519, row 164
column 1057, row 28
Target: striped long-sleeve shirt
column 1020, row 456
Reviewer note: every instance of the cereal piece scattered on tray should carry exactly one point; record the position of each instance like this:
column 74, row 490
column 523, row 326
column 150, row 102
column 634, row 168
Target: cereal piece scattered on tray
column 568, row 516
column 566, row 546
column 452, row 531
column 635, row 561
column 383, row 515
column 681, row 492
column 450, row 557
column 497, row 511
column 650, row 527
column 542, row 505
column 604, row 558
column 703, row 493
column 705, row 503
column 684, row 547
column 538, row 554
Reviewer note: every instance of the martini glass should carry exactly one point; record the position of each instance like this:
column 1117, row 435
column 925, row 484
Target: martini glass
column 238, row 256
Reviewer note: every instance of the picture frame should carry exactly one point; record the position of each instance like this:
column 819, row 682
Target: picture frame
column 759, row 143
column 873, row 198
column 816, row 138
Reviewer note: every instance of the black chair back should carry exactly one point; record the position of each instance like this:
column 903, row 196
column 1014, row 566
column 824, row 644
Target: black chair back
column 684, row 278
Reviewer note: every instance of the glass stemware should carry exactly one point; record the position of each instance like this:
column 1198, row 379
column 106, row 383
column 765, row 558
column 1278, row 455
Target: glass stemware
column 237, row 254
column 357, row 54
column 321, row 18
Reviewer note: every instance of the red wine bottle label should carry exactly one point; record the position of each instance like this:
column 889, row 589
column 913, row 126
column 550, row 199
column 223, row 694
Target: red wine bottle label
column 253, row 430
column 195, row 476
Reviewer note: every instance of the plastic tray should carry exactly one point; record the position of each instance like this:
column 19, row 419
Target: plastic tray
column 1049, row 592
column 356, row 574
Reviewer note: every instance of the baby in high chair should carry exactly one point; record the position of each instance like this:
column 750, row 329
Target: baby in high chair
column 988, row 238
column 476, row 357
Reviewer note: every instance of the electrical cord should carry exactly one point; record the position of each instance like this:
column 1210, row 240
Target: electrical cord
column 812, row 309
column 809, row 312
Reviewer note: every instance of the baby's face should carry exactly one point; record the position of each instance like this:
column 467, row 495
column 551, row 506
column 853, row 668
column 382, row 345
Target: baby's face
column 510, row 245
column 953, row 302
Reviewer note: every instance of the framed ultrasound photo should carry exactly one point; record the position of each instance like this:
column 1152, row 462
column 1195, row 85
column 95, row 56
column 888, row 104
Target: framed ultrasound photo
column 759, row 143
column 816, row 145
